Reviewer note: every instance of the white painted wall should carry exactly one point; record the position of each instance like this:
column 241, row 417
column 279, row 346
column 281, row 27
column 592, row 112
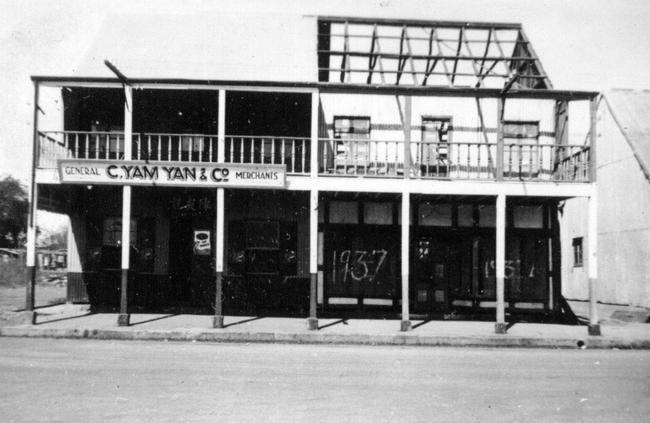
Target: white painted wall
column 384, row 110
column 623, row 224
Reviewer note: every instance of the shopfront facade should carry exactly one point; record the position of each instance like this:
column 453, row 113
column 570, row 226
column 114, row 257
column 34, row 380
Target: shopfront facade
column 304, row 198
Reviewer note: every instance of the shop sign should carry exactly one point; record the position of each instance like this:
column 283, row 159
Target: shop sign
column 228, row 175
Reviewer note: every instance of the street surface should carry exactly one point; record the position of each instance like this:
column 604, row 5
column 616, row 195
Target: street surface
column 97, row 381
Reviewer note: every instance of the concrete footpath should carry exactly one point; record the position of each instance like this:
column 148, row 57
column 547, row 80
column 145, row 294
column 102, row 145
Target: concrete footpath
column 65, row 321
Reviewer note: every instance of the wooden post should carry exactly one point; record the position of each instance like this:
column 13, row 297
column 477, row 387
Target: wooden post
column 406, row 214
column 313, row 163
column 219, row 254
column 30, row 260
column 500, row 325
column 593, row 136
column 406, row 124
column 500, row 150
column 592, row 263
column 312, row 321
column 217, row 321
column 123, row 319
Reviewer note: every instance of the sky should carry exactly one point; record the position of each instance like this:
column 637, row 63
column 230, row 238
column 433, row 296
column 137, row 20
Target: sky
column 583, row 45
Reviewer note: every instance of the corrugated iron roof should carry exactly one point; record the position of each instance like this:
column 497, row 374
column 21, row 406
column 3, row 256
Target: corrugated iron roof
column 262, row 47
column 631, row 110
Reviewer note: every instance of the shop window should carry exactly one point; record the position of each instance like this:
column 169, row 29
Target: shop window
column 142, row 242
column 434, row 149
column 434, row 214
column 259, row 248
column 577, row 252
column 528, row 216
column 112, row 232
column 352, row 151
column 465, row 215
column 521, row 147
column 487, row 216
column 378, row 213
column 344, row 212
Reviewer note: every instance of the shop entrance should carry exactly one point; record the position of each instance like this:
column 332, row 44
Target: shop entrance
column 436, row 272
column 191, row 261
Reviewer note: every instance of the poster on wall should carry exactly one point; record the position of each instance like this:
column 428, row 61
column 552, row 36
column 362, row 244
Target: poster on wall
column 202, row 243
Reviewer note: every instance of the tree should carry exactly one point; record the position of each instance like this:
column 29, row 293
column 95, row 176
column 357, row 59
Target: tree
column 14, row 205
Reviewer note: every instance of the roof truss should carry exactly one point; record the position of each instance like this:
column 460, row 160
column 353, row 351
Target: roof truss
column 422, row 53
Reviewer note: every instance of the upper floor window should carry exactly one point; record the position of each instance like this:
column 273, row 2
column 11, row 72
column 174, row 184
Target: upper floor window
column 516, row 132
column 521, row 148
column 435, row 138
column 353, row 155
column 347, row 127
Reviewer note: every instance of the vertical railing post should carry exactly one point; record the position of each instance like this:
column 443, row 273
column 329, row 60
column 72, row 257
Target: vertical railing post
column 500, row 258
column 405, row 244
column 217, row 321
column 30, row 259
column 500, row 150
column 123, row 319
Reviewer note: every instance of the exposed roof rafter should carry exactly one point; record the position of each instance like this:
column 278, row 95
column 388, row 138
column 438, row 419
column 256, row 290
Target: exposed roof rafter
column 355, row 42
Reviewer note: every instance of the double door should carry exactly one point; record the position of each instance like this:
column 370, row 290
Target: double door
column 436, row 262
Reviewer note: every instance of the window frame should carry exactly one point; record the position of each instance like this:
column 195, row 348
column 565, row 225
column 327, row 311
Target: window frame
column 520, row 161
column 578, row 251
column 438, row 150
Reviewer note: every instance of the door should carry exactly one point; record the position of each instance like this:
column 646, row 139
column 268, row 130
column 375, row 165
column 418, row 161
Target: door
column 433, row 268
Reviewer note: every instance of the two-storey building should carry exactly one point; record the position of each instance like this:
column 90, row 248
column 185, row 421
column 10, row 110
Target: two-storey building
column 313, row 164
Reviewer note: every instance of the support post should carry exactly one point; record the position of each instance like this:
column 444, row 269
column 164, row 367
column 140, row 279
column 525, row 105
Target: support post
column 500, row 325
column 500, row 150
column 406, row 124
column 30, row 260
column 406, row 214
column 312, row 321
column 219, row 253
column 217, row 321
column 313, row 162
column 123, row 319
column 592, row 263
column 593, row 137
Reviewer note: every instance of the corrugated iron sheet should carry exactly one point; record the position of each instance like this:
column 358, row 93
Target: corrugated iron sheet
column 631, row 110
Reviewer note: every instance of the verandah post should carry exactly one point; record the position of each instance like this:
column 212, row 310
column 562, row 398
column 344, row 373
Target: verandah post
column 218, row 301
column 217, row 321
column 592, row 263
column 592, row 223
column 312, row 321
column 123, row 319
column 30, row 259
column 500, row 325
column 406, row 213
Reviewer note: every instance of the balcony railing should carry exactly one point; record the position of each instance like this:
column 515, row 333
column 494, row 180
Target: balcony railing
column 336, row 157
column 292, row 152
column 457, row 160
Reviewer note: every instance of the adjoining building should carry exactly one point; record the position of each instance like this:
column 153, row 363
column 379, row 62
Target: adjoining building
column 623, row 210
column 310, row 164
